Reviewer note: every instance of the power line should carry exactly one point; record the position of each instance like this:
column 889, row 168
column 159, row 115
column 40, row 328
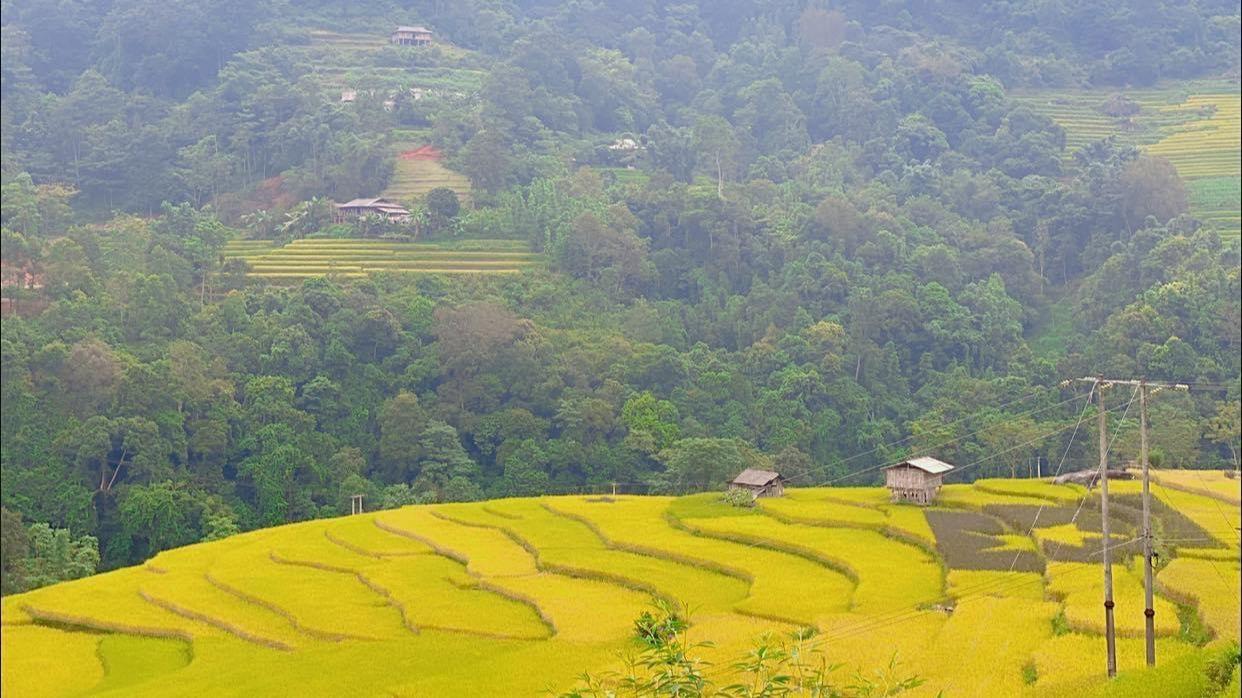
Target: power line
column 960, row 438
column 1060, row 465
column 985, row 459
column 991, row 586
column 894, row 444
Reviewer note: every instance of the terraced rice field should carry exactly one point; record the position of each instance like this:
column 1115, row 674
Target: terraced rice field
column 351, row 60
column 347, row 59
column 351, row 258
column 518, row 597
column 417, row 170
column 1196, row 126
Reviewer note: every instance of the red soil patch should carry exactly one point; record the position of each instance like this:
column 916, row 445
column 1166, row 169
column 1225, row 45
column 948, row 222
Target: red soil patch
column 268, row 195
column 426, row 152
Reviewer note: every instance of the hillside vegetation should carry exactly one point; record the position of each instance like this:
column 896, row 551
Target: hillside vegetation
column 1195, row 126
column 648, row 245
column 515, row 596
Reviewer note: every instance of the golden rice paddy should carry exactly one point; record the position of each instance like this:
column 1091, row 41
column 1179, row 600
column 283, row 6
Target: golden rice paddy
column 521, row 596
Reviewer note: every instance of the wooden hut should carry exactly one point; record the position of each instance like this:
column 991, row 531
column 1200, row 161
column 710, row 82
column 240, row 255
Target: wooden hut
column 760, row 483
column 916, row 480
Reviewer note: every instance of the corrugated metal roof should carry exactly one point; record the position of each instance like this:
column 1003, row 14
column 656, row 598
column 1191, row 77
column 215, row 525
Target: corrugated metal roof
column 756, row 478
column 417, row 29
column 371, row 203
column 359, row 202
column 927, row 464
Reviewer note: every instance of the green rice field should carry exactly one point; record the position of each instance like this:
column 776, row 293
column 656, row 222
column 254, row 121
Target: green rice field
column 1195, row 125
column 993, row 591
column 413, row 178
column 353, row 258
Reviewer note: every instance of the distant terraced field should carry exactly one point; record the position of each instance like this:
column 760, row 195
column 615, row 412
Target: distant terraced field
column 1196, row 126
column 349, row 59
column 417, row 170
column 306, row 258
column 994, row 592
column 353, row 60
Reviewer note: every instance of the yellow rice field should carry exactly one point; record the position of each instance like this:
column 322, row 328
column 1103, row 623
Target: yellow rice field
column 519, row 597
column 352, row 258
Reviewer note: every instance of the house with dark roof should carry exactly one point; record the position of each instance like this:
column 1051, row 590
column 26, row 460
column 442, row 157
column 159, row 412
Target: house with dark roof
column 916, row 480
column 760, row 483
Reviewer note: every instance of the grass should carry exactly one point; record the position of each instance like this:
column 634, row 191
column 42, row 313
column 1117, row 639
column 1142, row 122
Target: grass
column 867, row 555
column 1214, row 519
column 566, row 545
column 974, row 497
column 864, row 506
column 1072, row 664
column 1210, row 483
column 412, row 179
column 1023, row 585
column 129, row 660
column 1037, row 489
column 1210, row 586
column 777, row 581
column 978, row 651
column 1081, row 587
column 40, row 661
column 326, row 604
column 519, row 596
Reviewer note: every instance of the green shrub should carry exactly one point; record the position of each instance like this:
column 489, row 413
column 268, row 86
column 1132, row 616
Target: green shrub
column 775, row 667
column 738, row 498
column 1222, row 669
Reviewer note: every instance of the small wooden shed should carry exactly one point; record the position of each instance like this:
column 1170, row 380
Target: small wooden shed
column 916, row 480
column 760, row 483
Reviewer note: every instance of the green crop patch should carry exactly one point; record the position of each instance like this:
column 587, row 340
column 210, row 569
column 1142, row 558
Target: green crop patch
column 973, row 541
column 129, row 660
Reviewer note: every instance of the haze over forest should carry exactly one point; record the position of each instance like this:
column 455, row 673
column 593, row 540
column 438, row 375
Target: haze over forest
column 643, row 243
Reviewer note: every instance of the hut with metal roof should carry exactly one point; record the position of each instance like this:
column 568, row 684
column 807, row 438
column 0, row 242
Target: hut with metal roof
column 916, row 480
column 760, row 483
column 359, row 208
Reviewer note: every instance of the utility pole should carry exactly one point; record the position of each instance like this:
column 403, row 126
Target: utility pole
column 1110, row 637
column 1149, row 612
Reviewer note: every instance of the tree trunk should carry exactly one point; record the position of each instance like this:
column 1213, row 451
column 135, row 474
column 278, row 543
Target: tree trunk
column 719, row 177
column 119, row 464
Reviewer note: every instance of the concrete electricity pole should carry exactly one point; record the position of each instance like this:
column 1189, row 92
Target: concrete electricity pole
column 1110, row 637
column 1150, row 611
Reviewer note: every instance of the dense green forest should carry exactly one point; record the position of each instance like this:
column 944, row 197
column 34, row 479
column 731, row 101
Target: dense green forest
column 831, row 239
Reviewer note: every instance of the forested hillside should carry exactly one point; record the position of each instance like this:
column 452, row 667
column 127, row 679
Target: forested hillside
column 819, row 236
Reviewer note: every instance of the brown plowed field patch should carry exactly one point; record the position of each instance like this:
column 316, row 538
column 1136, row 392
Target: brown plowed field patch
column 426, row 152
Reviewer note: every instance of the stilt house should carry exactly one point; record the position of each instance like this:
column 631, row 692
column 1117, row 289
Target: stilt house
column 916, row 480
column 760, row 483
column 411, row 36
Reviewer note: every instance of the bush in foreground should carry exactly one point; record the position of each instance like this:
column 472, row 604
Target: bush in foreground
column 774, row 667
